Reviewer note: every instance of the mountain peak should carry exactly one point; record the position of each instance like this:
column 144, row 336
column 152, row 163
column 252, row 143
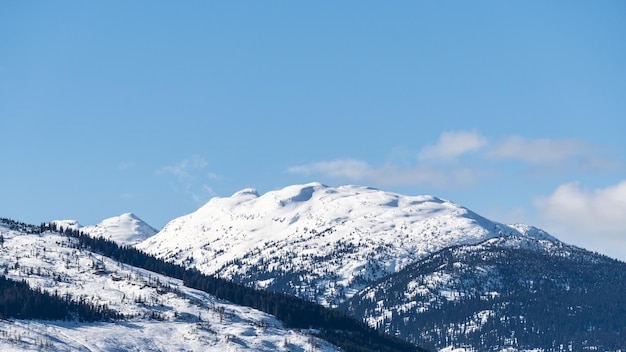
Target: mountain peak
column 246, row 192
column 130, row 216
column 127, row 229
column 342, row 237
column 298, row 193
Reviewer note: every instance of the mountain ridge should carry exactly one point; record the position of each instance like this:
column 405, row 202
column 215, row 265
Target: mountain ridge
column 318, row 242
column 506, row 293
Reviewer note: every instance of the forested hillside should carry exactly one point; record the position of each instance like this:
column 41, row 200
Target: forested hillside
column 505, row 293
column 331, row 325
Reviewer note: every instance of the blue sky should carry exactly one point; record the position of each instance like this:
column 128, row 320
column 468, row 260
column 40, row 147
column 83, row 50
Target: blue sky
column 516, row 110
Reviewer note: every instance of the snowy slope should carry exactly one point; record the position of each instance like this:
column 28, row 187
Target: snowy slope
column 165, row 315
column 126, row 229
column 318, row 242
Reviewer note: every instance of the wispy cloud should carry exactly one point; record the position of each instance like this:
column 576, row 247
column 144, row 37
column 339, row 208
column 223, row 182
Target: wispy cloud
column 386, row 175
column 590, row 218
column 189, row 177
column 421, row 175
column 540, row 151
column 544, row 154
column 185, row 167
column 350, row 169
column 453, row 144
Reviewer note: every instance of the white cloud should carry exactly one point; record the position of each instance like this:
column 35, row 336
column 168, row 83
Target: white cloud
column 386, row 175
column 592, row 219
column 453, row 144
column 539, row 151
column 543, row 152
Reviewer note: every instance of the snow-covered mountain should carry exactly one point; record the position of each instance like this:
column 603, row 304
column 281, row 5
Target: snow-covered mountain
column 505, row 294
column 419, row 267
column 126, row 229
column 317, row 242
column 162, row 314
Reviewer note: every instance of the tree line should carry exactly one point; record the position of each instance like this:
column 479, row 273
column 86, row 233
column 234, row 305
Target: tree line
column 332, row 325
column 19, row 301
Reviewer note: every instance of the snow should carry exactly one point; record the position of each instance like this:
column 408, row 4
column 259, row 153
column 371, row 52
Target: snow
column 68, row 224
column 533, row 232
column 187, row 319
column 126, row 229
column 506, row 349
column 342, row 237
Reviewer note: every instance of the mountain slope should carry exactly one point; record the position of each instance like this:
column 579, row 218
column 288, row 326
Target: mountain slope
column 317, row 242
column 516, row 293
column 161, row 313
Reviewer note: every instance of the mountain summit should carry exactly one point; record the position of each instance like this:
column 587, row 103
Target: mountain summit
column 317, row 242
column 126, row 229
